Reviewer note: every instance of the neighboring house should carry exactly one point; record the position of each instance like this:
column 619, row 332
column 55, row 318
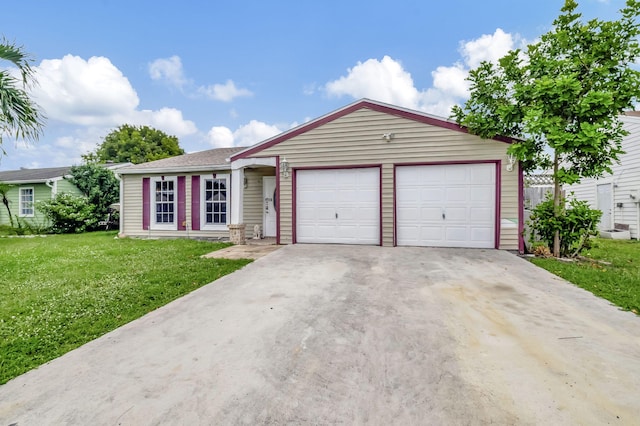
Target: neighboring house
column 368, row 173
column 28, row 186
column 617, row 195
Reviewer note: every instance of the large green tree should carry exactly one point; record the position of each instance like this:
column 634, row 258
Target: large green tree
column 136, row 144
column 20, row 117
column 561, row 98
column 98, row 184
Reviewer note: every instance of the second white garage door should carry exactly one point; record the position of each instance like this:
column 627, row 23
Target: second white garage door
column 338, row 206
column 446, row 205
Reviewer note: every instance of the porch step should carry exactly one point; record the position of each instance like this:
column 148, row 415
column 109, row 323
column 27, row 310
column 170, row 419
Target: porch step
column 267, row 241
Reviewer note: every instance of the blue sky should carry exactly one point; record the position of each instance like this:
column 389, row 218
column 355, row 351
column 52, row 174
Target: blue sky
column 220, row 74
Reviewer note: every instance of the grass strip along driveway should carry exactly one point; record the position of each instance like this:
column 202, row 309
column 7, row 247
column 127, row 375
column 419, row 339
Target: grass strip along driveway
column 609, row 269
column 58, row 292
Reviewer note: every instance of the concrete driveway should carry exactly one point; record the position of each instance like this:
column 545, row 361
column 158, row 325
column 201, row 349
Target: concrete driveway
column 315, row 334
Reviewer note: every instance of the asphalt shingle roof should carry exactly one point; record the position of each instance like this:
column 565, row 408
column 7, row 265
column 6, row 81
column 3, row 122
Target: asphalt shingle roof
column 33, row 175
column 208, row 158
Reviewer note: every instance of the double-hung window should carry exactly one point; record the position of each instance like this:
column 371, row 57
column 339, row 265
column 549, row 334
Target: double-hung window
column 26, row 202
column 164, row 210
column 214, row 201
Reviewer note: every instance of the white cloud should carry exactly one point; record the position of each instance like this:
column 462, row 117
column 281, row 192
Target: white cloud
column 383, row 80
column 168, row 70
column 221, row 137
column 488, row 47
column 246, row 135
column 224, row 92
column 169, row 120
column 386, row 80
column 92, row 92
column 451, row 80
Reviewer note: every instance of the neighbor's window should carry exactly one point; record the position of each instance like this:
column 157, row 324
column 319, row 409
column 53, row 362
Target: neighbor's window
column 164, row 199
column 215, row 196
column 26, row 202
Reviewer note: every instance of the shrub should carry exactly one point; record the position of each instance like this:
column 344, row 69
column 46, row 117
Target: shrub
column 576, row 222
column 69, row 214
column 98, row 184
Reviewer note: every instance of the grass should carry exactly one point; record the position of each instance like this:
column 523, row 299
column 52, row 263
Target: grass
column 58, row 292
column 611, row 270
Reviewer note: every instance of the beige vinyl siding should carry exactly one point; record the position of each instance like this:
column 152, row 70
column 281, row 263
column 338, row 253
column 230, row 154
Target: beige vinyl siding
column 131, row 210
column 252, row 199
column 356, row 139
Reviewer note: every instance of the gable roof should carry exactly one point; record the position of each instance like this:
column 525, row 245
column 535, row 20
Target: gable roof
column 33, row 175
column 410, row 114
column 196, row 161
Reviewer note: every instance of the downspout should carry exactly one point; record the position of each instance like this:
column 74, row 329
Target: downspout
column 53, row 184
column 634, row 197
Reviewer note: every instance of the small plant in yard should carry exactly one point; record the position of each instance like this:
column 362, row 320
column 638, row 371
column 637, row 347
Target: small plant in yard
column 69, row 213
column 58, row 292
column 576, row 223
column 541, row 250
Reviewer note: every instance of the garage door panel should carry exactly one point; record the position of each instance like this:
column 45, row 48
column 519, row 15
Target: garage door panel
column 431, row 233
column 408, row 214
column 457, row 233
column 338, row 206
column 430, row 214
column 455, row 175
column 463, row 193
column 484, row 174
column 457, row 194
column 434, row 194
column 481, row 234
column 482, row 215
column 408, row 194
column 434, row 176
column 456, row 214
column 484, row 193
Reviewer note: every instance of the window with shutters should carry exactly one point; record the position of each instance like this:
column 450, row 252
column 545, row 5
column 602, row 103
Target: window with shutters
column 214, row 203
column 164, row 203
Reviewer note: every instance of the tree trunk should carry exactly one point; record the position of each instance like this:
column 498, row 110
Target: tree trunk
column 556, row 204
column 5, row 201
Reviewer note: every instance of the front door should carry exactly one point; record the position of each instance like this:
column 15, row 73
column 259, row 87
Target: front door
column 269, row 206
column 605, row 204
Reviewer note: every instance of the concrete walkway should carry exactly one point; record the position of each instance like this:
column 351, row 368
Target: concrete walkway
column 243, row 252
column 314, row 334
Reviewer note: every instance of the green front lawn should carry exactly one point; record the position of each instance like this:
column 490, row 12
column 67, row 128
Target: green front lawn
column 611, row 270
column 58, row 292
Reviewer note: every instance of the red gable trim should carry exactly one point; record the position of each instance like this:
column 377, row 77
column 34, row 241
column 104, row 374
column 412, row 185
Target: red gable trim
column 365, row 103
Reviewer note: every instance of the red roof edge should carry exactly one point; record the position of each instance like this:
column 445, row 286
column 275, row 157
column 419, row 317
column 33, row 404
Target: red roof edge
column 363, row 103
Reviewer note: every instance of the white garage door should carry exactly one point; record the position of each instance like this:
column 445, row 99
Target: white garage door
column 338, row 206
column 446, row 205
